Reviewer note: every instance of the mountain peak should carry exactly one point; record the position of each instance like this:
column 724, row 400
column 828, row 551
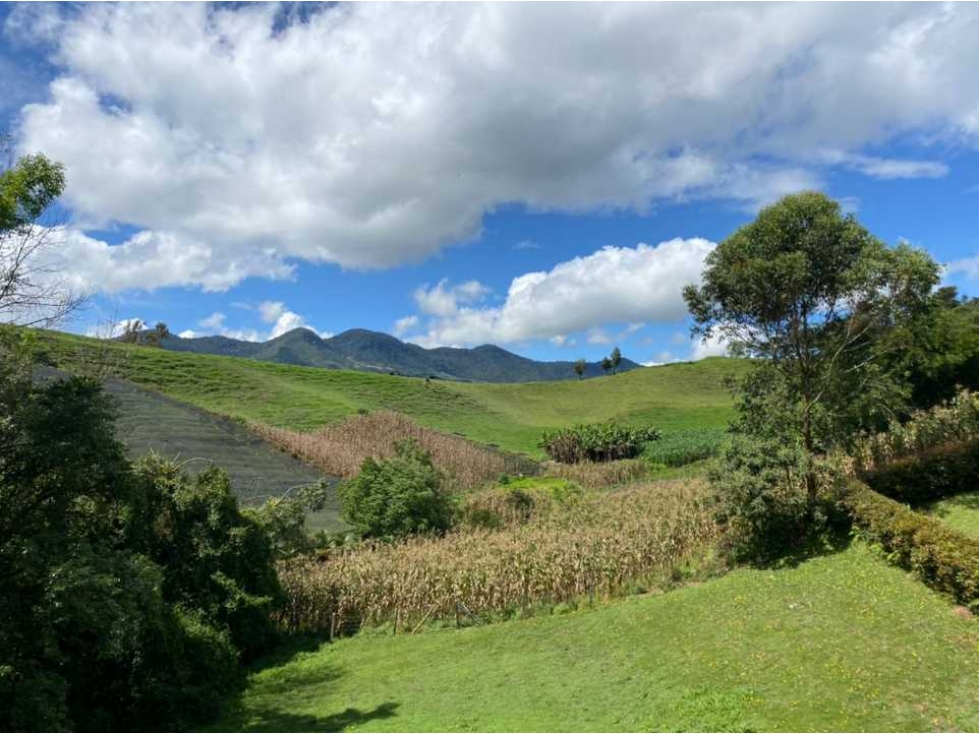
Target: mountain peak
column 375, row 351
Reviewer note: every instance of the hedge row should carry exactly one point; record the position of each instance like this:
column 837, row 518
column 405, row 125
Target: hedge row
column 929, row 475
column 944, row 559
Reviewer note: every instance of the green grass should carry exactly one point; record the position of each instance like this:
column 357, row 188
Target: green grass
column 960, row 512
column 841, row 642
column 512, row 416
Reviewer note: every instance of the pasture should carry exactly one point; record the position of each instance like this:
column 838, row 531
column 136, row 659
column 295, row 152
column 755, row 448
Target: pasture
column 680, row 397
column 840, row 642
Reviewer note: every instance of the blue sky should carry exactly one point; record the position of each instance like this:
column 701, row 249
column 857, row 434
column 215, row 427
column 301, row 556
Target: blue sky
column 437, row 172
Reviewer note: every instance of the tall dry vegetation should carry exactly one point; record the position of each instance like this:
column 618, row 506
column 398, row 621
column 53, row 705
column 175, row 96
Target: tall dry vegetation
column 599, row 546
column 599, row 474
column 339, row 449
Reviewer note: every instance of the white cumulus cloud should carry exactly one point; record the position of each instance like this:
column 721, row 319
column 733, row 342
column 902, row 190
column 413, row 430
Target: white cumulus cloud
column 630, row 285
column 241, row 140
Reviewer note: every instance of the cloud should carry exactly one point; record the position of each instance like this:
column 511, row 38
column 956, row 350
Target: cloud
column 444, row 300
column 526, row 245
column 888, row 168
column 631, row 285
column 597, row 335
column 274, row 313
column 214, row 321
column 403, row 326
column 968, row 266
column 715, row 346
column 112, row 329
column 666, row 103
column 149, row 260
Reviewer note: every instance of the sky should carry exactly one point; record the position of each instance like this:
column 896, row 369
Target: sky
column 546, row 177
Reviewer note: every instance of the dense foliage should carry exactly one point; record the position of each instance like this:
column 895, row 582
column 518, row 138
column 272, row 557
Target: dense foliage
column 397, row 497
column 819, row 302
column 953, row 422
column 761, row 498
column 934, row 473
column 596, row 442
column 128, row 593
column 941, row 557
column 809, row 292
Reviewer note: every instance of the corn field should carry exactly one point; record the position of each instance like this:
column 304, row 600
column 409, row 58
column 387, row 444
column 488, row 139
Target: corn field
column 599, row 474
column 598, row 547
column 340, row 448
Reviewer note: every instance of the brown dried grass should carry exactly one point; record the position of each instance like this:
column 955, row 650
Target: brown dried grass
column 599, row 475
column 339, row 449
column 598, row 547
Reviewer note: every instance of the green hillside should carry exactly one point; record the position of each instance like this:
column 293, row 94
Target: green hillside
column 680, row 396
column 843, row 642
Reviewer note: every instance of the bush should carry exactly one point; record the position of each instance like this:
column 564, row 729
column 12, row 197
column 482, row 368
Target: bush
column 956, row 422
column 762, row 501
column 128, row 594
column 944, row 559
column 397, row 497
column 933, row 473
column 596, row 442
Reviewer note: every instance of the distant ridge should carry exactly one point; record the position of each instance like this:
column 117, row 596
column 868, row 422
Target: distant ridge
column 373, row 351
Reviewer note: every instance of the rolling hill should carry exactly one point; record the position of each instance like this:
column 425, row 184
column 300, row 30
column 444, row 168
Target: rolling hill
column 360, row 349
column 511, row 416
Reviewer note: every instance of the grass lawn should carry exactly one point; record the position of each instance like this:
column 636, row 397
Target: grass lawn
column 512, row 416
column 841, row 642
column 960, row 512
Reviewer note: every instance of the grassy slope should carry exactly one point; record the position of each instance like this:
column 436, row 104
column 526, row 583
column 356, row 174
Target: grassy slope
column 511, row 416
column 960, row 512
column 842, row 642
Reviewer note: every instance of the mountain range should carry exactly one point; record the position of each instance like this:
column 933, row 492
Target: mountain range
column 361, row 349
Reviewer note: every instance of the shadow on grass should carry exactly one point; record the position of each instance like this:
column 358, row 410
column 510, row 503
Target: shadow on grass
column 943, row 508
column 271, row 719
column 830, row 542
column 283, row 679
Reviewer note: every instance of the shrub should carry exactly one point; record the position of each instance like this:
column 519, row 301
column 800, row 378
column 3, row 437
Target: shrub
column 761, row 498
column 932, row 473
column 941, row 557
column 215, row 558
column 596, row 442
column 397, row 497
column 956, row 422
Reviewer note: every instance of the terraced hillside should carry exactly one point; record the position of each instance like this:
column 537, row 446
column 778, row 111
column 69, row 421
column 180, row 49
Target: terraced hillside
column 512, row 416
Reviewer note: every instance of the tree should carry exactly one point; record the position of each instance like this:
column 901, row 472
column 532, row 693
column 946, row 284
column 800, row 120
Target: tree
column 810, row 293
column 606, row 364
column 615, row 359
column 940, row 351
column 127, row 593
column 155, row 336
column 33, row 289
column 397, row 497
column 130, row 331
column 579, row 368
